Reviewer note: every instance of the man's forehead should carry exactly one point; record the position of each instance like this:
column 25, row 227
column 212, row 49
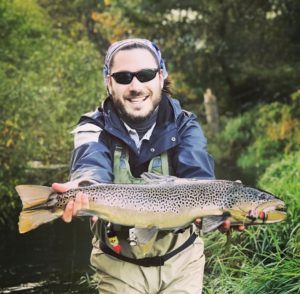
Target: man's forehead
column 134, row 57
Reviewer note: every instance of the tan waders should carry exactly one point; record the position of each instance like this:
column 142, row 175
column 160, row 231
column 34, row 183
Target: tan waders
column 179, row 267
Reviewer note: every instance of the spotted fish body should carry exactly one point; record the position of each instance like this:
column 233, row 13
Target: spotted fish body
column 162, row 202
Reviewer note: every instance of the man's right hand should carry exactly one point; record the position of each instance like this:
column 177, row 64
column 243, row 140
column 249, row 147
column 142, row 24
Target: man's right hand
column 81, row 200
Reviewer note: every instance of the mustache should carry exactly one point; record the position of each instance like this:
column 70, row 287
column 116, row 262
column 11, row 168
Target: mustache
column 134, row 94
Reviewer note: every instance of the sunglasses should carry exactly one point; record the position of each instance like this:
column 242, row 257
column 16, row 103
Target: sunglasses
column 144, row 75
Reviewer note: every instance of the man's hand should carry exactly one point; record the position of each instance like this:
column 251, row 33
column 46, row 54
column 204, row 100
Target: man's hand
column 225, row 227
column 81, row 200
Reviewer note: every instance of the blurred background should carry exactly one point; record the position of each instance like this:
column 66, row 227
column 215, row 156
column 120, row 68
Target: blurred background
column 235, row 63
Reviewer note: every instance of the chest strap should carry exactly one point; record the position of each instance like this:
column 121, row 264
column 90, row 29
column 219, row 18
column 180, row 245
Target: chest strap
column 149, row 261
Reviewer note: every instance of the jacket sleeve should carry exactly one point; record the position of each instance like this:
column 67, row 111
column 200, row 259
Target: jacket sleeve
column 191, row 157
column 91, row 158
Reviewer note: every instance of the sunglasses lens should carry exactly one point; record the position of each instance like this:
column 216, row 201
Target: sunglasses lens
column 125, row 77
column 146, row 75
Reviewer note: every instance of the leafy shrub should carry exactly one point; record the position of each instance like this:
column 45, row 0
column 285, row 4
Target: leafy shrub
column 257, row 138
column 47, row 80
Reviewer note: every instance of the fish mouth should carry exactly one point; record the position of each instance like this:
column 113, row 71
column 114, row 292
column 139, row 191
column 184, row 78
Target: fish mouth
column 276, row 214
column 272, row 212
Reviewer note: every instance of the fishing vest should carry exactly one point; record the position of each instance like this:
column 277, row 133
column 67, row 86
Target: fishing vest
column 121, row 168
column 122, row 174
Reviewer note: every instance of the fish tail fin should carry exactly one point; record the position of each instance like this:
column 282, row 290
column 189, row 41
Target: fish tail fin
column 33, row 195
column 34, row 199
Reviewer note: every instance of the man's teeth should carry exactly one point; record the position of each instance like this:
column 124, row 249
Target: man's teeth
column 138, row 99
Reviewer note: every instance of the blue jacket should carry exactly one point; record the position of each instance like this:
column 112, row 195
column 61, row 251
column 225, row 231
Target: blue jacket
column 177, row 132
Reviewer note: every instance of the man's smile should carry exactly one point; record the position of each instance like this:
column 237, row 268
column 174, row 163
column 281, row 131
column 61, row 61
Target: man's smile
column 139, row 99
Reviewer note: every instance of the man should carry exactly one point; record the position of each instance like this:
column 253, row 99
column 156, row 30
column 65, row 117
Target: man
column 139, row 128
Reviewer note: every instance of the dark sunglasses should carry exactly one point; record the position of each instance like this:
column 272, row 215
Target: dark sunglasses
column 144, row 75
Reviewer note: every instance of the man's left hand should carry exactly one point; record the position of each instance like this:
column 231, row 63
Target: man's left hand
column 226, row 226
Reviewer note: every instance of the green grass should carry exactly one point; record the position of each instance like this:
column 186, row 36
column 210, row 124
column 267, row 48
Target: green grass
column 263, row 259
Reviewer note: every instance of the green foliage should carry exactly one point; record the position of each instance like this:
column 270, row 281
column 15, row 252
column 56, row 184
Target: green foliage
column 47, row 80
column 261, row 136
column 275, row 133
column 234, row 137
column 23, row 25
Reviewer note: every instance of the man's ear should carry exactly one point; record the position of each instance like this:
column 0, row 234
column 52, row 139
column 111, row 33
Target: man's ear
column 161, row 79
column 108, row 85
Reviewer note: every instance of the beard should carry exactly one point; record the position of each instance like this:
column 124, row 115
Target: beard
column 133, row 117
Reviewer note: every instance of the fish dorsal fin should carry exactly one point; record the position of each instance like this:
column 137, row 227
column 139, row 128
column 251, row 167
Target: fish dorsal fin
column 153, row 177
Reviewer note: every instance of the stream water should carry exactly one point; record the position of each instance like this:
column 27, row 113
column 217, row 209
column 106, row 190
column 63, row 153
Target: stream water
column 54, row 258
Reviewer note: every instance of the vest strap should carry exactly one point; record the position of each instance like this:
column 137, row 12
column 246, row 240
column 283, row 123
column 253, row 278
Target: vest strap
column 149, row 261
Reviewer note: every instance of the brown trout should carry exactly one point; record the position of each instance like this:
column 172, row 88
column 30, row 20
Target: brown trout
column 162, row 202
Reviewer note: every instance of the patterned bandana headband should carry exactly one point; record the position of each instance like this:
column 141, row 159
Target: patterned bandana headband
column 117, row 46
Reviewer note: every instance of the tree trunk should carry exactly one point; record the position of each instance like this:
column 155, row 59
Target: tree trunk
column 211, row 112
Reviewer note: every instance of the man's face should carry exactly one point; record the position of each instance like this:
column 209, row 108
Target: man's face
column 136, row 100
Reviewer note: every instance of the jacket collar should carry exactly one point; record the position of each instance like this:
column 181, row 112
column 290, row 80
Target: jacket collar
column 168, row 112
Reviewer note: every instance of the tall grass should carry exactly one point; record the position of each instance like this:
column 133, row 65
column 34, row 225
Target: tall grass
column 263, row 259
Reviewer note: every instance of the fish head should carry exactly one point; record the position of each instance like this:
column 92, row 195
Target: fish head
column 259, row 207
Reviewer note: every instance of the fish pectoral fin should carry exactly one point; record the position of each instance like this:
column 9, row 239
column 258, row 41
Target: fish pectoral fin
column 144, row 235
column 210, row 223
column 145, row 238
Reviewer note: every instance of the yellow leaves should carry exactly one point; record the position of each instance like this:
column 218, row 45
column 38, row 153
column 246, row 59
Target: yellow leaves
column 10, row 133
column 9, row 143
column 286, row 128
column 182, row 88
column 95, row 16
column 110, row 25
column 282, row 129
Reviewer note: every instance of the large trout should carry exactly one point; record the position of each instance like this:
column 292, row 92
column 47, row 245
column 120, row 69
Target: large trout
column 162, row 202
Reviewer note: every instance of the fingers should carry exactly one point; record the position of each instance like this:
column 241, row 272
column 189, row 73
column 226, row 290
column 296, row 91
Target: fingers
column 94, row 218
column 81, row 202
column 68, row 212
column 60, row 187
column 63, row 187
column 225, row 227
column 241, row 228
column 198, row 221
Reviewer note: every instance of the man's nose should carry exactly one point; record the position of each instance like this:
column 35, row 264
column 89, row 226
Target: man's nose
column 135, row 84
